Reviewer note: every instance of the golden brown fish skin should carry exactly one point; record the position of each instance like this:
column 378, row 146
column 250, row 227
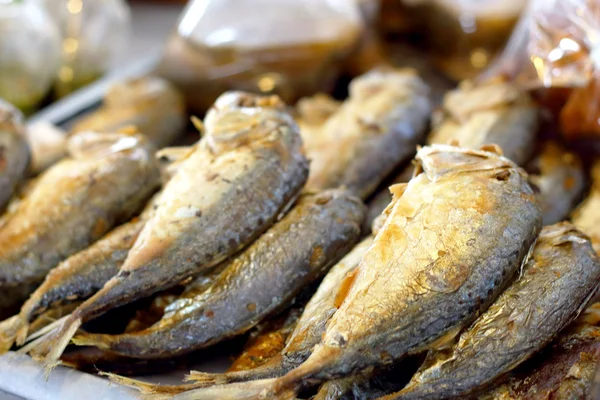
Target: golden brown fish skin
column 422, row 280
column 563, row 370
column 521, row 321
column 372, row 132
column 492, row 112
column 106, row 179
column 151, row 104
column 560, row 178
column 250, row 163
column 299, row 249
column 15, row 154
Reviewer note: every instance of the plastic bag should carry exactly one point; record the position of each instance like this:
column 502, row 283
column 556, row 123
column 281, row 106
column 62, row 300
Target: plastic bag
column 29, row 53
column 290, row 47
column 94, row 36
column 556, row 51
column 462, row 35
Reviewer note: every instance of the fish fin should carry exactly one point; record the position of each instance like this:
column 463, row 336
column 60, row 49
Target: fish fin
column 397, row 190
column 206, row 379
column 53, row 344
column 9, row 332
column 252, row 390
column 492, row 148
column 446, row 339
column 90, row 339
column 41, row 332
column 147, row 388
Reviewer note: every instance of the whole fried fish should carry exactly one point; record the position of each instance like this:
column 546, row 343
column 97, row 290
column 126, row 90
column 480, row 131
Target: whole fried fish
column 560, row 178
column 299, row 249
column 151, row 104
column 107, row 178
column 374, row 130
column 14, row 151
column 475, row 115
column 452, row 240
column 521, row 321
column 243, row 173
column 307, row 333
column 562, row 371
column 75, row 279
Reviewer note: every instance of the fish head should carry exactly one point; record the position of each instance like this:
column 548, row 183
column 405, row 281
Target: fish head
column 89, row 144
column 238, row 118
column 438, row 161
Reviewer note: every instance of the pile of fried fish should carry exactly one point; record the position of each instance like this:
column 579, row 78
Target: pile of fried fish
column 352, row 271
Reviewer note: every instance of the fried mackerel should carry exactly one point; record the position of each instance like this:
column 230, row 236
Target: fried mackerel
column 243, row 173
column 105, row 180
column 554, row 286
column 299, row 249
column 306, row 334
column 14, row 151
column 475, row 115
column 151, row 104
column 453, row 238
column 565, row 370
column 372, row 132
column 560, row 178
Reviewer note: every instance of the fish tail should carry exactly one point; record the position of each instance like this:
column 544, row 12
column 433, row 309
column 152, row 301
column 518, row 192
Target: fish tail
column 206, row 379
column 9, row 330
column 274, row 368
column 146, row 388
column 49, row 348
column 89, row 339
column 253, row 390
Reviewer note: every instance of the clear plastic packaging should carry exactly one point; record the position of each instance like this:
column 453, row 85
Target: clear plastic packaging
column 290, row 47
column 94, row 35
column 29, row 53
column 556, row 51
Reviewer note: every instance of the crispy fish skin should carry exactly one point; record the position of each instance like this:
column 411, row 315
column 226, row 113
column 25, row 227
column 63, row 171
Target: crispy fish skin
column 75, row 279
column 106, row 179
column 15, row 154
column 560, row 177
column 493, row 112
column 151, row 104
column 249, row 163
column 423, row 280
column 521, row 321
column 297, row 250
column 562, row 371
column 376, row 129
